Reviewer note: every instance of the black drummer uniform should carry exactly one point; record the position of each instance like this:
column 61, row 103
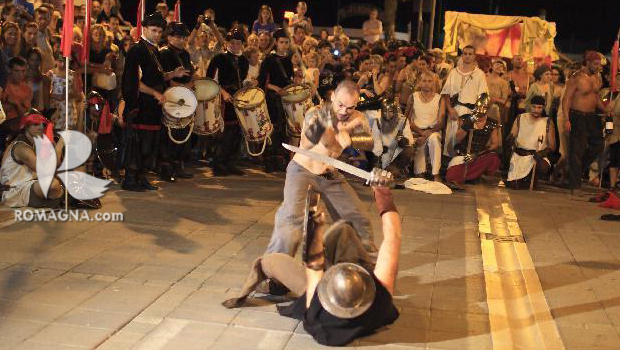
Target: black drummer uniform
column 275, row 70
column 172, row 154
column 142, row 112
column 231, row 71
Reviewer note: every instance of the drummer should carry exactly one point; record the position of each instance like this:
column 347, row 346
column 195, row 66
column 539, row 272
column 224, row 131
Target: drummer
column 276, row 72
column 143, row 95
column 231, row 69
column 172, row 155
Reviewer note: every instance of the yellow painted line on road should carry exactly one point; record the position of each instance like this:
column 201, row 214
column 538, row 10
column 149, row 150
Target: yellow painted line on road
column 519, row 315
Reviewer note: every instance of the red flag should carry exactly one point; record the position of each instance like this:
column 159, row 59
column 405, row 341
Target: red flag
column 86, row 34
column 177, row 11
column 140, row 17
column 67, row 29
column 614, row 66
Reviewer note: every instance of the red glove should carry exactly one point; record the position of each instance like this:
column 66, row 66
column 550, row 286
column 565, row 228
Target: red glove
column 384, row 200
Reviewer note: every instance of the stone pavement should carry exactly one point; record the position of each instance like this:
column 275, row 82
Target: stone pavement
column 156, row 280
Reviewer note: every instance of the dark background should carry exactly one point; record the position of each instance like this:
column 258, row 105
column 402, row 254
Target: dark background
column 581, row 25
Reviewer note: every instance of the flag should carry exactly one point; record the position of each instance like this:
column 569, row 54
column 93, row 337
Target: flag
column 67, row 29
column 86, row 35
column 614, row 64
column 177, row 11
column 140, row 17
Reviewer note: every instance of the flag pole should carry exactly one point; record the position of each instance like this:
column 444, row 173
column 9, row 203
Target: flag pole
column 86, row 57
column 66, row 127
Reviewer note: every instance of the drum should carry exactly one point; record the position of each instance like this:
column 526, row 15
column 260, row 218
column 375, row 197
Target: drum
column 179, row 110
column 251, row 110
column 209, row 118
column 296, row 102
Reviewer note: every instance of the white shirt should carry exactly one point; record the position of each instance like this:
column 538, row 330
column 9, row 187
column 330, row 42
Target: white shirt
column 373, row 24
column 426, row 114
column 468, row 85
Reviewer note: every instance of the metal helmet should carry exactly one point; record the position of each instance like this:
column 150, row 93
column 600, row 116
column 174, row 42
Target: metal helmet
column 482, row 104
column 346, row 290
column 390, row 109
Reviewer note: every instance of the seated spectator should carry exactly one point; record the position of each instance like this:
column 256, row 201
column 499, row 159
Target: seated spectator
column 541, row 87
column 532, row 139
column 481, row 158
column 427, row 113
column 264, row 23
column 17, row 95
column 19, row 166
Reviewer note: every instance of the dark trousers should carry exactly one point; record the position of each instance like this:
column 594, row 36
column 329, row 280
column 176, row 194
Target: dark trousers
column 404, row 159
column 585, row 143
column 228, row 142
column 142, row 152
column 278, row 119
column 172, row 154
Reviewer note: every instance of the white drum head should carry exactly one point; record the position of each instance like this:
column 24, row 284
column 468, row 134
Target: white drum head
column 248, row 98
column 206, row 89
column 180, row 102
column 296, row 93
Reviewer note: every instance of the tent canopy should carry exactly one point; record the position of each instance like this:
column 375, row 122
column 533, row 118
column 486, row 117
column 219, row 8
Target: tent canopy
column 500, row 36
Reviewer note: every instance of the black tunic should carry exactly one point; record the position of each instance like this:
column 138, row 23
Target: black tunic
column 143, row 56
column 273, row 73
column 330, row 330
column 231, row 70
column 172, row 58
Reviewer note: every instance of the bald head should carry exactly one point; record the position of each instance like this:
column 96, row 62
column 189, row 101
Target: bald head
column 348, row 86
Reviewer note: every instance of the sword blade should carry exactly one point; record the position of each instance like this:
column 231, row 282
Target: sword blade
column 330, row 161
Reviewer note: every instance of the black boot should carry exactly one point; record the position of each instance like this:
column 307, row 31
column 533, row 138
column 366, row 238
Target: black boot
column 130, row 183
column 232, row 169
column 165, row 173
column 269, row 166
column 219, row 169
column 181, row 174
column 145, row 183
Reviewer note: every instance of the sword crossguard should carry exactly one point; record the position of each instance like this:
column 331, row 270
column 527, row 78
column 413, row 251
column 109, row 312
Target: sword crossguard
column 381, row 178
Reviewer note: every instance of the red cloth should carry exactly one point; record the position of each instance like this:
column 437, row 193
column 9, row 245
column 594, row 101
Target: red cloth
column 140, row 17
column 38, row 119
column 177, row 11
column 86, row 35
column 612, row 202
column 485, row 164
column 67, row 29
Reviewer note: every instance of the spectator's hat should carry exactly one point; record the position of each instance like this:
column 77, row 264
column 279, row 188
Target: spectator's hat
column 235, row 34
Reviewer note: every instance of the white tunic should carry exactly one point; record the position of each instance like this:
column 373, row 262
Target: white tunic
column 530, row 131
column 426, row 114
column 469, row 86
column 17, row 175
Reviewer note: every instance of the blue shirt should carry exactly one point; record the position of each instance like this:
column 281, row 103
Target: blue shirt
column 259, row 28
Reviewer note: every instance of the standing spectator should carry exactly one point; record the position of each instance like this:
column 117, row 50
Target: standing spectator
column 324, row 35
column 264, row 44
column 40, row 82
column 9, row 41
column 251, row 53
column 311, row 75
column 252, row 40
column 100, row 61
column 94, row 11
column 541, row 87
column 300, row 19
column 614, row 143
column 106, row 12
column 372, row 28
column 310, row 44
column 264, row 23
column 53, row 24
column 28, row 38
column 115, row 29
column 17, row 95
column 9, row 13
column 299, row 36
column 499, row 91
column 57, row 77
column 42, row 18
column 162, row 7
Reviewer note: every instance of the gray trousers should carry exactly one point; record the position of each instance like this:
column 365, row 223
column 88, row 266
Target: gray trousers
column 339, row 197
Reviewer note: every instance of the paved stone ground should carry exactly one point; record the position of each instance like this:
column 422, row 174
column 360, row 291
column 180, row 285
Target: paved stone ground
column 156, row 280
column 577, row 257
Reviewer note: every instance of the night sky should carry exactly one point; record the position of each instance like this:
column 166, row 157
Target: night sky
column 581, row 25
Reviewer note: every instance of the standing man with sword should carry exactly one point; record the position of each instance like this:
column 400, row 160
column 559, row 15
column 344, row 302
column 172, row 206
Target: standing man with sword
column 327, row 130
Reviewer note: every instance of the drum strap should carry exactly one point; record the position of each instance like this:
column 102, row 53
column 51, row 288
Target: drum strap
column 282, row 70
column 235, row 64
column 154, row 57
